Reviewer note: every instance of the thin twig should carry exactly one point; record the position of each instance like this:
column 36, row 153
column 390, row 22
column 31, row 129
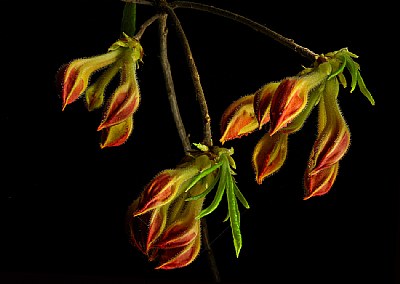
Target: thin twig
column 303, row 51
column 169, row 83
column 142, row 2
column 145, row 25
column 207, row 139
column 250, row 23
column 211, row 259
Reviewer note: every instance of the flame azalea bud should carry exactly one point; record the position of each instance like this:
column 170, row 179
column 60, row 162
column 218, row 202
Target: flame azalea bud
column 95, row 93
column 262, row 102
column 163, row 188
column 78, row 72
column 179, row 244
column 162, row 222
column 125, row 101
column 291, row 96
column 321, row 182
column 269, row 155
column 122, row 57
column 117, row 134
column 238, row 119
column 167, row 185
column 333, row 138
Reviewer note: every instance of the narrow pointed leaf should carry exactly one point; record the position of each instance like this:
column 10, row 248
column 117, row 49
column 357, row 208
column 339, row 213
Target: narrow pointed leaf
column 364, row 90
column 340, row 69
column 352, row 67
column 234, row 217
column 202, row 174
column 240, row 196
column 208, row 190
column 218, row 195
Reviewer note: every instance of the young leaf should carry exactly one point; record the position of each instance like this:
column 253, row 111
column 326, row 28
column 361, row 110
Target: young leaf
column 208, row 190
column 202, row 174
column 353, row 69
column 218, row 195
column 364, row 90
column 240, row 196
column 339, row 70
column 234, row 216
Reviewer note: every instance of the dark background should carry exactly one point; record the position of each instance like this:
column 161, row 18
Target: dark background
column 63, row 199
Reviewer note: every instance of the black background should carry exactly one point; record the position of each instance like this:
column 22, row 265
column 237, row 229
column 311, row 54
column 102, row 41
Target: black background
column 63, row 199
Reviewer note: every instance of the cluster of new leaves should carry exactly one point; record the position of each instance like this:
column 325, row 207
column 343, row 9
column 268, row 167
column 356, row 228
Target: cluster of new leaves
column 226, row 184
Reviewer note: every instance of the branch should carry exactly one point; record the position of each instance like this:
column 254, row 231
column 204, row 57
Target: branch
column 206, row 242
column 250, row 23
column 169, row 83
column 144, row 26
column 305, row 52
column 207, row 140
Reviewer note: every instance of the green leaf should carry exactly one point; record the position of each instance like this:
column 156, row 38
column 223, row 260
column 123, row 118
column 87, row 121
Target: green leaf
column 218, row 195
column 240, row 196
column 234, row 216
column 208, row 190
column 201, row 147
column 340, row 69
column 364, row 90
column 202, row 174
column 353, row 69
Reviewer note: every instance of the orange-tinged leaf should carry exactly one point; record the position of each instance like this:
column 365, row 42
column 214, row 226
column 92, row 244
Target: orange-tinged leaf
column 269, row 155
column 181, row 233
column 238, row 119
column 78, row 72
column 180, row 257
column 125, row 100
column 333, row 139
column 156, row 225
column 161, row 189
column 118, row 134
column 286, row 104
column 262, row 102
column 320, row 183
column 291, row 96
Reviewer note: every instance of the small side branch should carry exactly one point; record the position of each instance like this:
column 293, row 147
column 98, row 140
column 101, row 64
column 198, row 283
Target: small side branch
column 169, row 83
column 145, row 25
column 210, row 254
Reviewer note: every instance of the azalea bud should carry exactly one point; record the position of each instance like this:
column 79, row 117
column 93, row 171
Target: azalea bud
column 122, row 57
column 332, row 142
column 163, row 188
column 291, row 95
column 269, row 155
column 238, row 119
column 162, row 222
column 333, row 138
